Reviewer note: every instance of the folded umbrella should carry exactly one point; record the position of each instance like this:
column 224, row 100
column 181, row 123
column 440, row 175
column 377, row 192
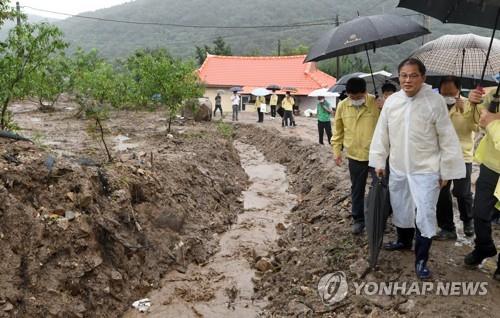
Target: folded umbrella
column 379, row 208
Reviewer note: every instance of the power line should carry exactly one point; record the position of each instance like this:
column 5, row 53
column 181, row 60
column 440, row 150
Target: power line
column 294, row 25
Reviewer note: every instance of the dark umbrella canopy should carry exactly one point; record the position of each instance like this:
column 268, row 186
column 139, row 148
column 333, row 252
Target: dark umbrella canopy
column 480, row 13
column 364, row 33
column 273, row 87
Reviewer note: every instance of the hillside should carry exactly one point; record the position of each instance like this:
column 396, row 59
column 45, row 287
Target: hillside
column 118, row 39
column 4, row 30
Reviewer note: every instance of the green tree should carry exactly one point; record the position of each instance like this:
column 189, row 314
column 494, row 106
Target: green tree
column 348, row 64
column 170, row 81
column 49, row 82
column 27, row 48
column 289, row 47
column 95, row 92
column 220, row 47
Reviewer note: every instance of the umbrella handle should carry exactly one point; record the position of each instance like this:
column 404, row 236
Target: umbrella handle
column 489, row 48
column 371, row 70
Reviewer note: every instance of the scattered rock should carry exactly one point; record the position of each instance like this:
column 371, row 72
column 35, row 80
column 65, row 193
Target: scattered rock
column 63, row 223
column 116, row 276
column 298, row 309
column 360, row 267
column 70, row 215
column 263, row 265
column 407, row 307
column 8, row 307
column 280, row 227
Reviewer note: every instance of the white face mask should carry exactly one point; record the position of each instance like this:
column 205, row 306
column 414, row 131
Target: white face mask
column 450, row 100
column 358, row 102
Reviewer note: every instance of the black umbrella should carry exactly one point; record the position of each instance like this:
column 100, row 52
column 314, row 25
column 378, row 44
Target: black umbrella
column 379, row 208
column 482, row 13
column 273, row 87
column 363, row 34
column 379, row 78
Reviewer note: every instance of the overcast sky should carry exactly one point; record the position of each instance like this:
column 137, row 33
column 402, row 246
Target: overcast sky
column 66, row 6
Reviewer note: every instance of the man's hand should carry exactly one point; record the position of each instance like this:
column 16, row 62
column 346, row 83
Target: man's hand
column 380, row 172
column 380, row 102
column 487, row 117
column 338, row 160
column 460, row 105
column 476, row 96
column 443, row 183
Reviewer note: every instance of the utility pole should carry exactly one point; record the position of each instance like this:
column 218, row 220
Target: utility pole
column 337, row 23
column 427, row 25
column 18, row 9
column 279, row 47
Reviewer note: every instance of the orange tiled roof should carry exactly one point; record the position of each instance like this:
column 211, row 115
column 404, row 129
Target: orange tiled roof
column 252, row 72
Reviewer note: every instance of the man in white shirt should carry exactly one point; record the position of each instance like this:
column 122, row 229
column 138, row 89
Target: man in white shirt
column 235, row 101
column 416, row 133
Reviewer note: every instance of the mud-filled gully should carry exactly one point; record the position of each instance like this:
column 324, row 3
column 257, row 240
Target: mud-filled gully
column 224, row 286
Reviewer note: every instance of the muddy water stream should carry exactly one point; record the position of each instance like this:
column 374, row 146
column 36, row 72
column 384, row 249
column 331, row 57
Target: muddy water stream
column 224, row 287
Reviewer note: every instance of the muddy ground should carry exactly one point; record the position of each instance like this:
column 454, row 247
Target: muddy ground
column 89, row 238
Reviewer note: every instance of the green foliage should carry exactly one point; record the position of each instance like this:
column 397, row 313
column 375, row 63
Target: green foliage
column 219, row 48
column 225, row 129
column 170, row 80
column 49, row 82
column 28, row 48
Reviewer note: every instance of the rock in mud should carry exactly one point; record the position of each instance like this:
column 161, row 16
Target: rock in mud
column 407, row 307
column 360, row 267
column 8, row 307
column 264, row 264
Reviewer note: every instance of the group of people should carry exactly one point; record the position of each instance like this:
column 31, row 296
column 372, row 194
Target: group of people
column 285, row 109
column 421, row 143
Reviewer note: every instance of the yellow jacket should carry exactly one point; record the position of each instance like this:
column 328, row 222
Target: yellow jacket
column 488, row 151
column 288, row 103
column 260, row 100
column 465, row 125
column 274, row 100
column 354, row 127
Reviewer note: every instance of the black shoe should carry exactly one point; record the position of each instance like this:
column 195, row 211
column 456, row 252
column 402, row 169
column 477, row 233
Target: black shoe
column 396, row 246
column 469, row 228
column 445, row 235
column 357, row 228
column 422, row 271
column 475, row 258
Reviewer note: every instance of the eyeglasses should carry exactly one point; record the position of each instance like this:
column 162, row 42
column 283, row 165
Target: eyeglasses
column 412, row 76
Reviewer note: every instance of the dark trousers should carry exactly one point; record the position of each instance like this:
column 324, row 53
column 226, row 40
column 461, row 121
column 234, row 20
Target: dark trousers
column 358, row 171
column 461, row 191
column 260, row 115
column 287, row 118
column 484, row 208
column 273, row 110
column 324, row 126
column 219, row 107
column 422, row 244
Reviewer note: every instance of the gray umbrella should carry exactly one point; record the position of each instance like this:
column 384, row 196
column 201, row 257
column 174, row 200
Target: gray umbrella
column 460, row 54
column 482, row 13
column 363, row 34
column 236, row 89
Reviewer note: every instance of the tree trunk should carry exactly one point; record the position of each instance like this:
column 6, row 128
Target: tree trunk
column 169, row 123
column 4, row 111
column 110, row 159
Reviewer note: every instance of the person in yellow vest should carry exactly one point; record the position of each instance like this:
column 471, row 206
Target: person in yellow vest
column 259, row 102
column 462, row 117
column 287, row 105
column 488, row 155
column 355, row 121
column 273, row 102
